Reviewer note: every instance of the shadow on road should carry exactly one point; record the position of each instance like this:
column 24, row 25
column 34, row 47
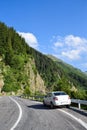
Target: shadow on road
column 42, row 107
column 79, row 111
column 39, row 106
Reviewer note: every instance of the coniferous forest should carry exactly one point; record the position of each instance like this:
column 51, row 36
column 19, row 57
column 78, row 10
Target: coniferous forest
column 20, row 66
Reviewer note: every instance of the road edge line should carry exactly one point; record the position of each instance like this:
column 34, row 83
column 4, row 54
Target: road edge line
column 77, row 119
column 20, row 114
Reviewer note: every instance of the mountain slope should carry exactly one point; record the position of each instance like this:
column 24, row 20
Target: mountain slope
column 75, row 75
column 24, row 68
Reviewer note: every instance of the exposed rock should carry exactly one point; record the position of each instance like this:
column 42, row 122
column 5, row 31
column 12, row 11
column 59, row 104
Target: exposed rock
column 1, row 84
column 35, row 81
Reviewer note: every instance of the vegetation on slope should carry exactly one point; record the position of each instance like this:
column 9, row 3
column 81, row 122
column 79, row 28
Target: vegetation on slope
column 76, row 76
column 17, row 57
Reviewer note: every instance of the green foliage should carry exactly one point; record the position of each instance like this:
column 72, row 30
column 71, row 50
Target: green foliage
column 79, row 94
column 56, row 74
column 27, row 91
column 11, row 83
column 48, row 70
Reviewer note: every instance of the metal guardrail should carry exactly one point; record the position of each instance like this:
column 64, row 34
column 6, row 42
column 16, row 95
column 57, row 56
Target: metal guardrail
column 79, row 102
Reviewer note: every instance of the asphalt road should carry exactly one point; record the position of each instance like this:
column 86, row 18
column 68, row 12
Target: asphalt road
column 23, row 114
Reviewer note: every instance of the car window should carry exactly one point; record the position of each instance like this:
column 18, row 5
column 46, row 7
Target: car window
column 59, row 93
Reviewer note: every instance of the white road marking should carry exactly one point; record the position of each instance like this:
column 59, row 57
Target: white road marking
column 77, row 119
column 20, row 114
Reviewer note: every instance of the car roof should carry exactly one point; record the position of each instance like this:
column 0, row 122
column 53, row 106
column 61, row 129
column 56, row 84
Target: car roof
column 54, row 92
column 58, row 92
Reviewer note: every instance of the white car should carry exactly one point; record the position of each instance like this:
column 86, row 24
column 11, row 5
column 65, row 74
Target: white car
column 57, row 98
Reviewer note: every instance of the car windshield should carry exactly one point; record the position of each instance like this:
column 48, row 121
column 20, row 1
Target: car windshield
column 59, row 93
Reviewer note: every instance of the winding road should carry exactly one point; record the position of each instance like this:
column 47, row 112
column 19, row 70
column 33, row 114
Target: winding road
column 23, row 114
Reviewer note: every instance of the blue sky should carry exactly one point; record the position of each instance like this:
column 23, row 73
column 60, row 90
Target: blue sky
column 57, row 27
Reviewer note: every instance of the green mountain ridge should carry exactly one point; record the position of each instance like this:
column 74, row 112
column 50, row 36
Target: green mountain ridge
column 26, row 70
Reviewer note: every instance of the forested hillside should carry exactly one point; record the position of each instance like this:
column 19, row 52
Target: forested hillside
column 24, row 69
column 75, row 75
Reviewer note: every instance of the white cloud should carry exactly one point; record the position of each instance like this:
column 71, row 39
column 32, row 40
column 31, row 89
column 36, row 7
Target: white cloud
column 74, row 41
column 72, row 54
column 58, row 44
column 71, row 47
column 30, row 39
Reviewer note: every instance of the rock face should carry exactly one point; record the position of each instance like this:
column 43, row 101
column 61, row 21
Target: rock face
column 1, row 76
column 36, row 83
column 35, row 80
column 1, row 84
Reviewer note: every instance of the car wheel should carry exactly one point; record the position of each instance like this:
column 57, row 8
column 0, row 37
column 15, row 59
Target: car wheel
column 44, row 103
column 51, row 105
column 67, row 106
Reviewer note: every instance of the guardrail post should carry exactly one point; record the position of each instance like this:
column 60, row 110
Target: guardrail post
column 79, row 105
column 79, row 102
